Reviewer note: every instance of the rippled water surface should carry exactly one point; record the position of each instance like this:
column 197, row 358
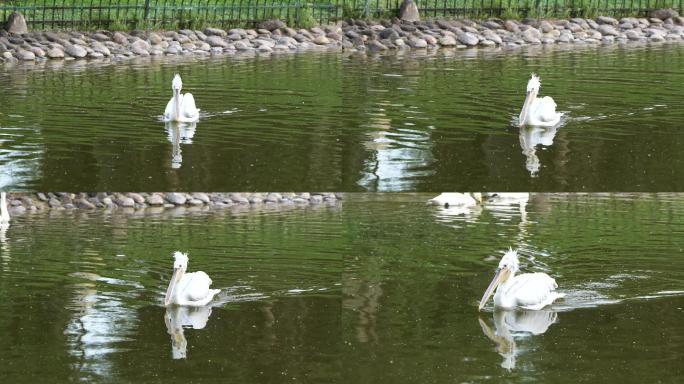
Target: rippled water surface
column 349, row 122
column 81, row 297
column 412, row 286
column 379, row 288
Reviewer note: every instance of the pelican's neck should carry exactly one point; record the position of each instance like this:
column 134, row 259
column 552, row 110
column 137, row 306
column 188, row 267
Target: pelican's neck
column 177, row 104
column 4, row 213
column 525, row 112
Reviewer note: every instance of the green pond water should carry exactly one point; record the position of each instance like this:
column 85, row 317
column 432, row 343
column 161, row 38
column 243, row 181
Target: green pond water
column 379, row 288
column 436, row 121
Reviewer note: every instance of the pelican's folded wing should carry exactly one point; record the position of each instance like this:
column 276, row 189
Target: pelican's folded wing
column 188, row 108
column 547, row 109
column 534, row 290
column 198, row 286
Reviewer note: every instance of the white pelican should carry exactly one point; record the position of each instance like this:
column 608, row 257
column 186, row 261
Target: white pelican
column 530, row 290
column 190, row 289
column 507, row 198
column 452, row 199
column 538, row 111
column 181, row 108
column 4, row 213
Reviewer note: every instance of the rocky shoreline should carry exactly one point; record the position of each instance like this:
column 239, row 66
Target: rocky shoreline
column 30, row 202
column 351, row 35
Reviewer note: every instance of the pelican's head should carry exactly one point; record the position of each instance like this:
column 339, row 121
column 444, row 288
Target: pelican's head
column 510, row 260
column 177, row 83
column 477, row 196
column 508, row 266
column 180, row 264
column 180, row 260
column 532, row 91
column 533, row 85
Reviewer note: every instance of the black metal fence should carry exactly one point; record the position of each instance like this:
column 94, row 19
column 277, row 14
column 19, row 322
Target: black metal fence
column 128, row 14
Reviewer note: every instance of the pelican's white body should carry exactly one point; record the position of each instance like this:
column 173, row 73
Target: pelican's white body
column 189, row 289
column 193, row 289
column 180, row 108
column 454, row 199
column 530, row 290
column 538, row 111
column 4, row 213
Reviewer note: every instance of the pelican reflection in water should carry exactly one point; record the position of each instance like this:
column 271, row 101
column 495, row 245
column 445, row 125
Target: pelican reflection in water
column 530, row 137
column 176, row 318
column 179, row 133
column 510, row 326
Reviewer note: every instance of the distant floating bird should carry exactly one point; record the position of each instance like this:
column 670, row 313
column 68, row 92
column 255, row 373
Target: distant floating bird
column 181, row 108
column 452, row 199
column 530, row 290
column 538, row 111
column 191, row 289
column 4, row 213
column 507, row 197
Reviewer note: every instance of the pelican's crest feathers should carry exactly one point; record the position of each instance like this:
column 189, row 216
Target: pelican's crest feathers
column 180, row 259
column 177, row 83
column 534, row 83
column 510, row 258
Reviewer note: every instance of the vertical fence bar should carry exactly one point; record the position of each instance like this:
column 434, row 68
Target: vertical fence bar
column 239, row 12
column 163, row 12
column 109, row 14
column 146, row 11
column 52, row 18
column 180, row 15
column 232, row 11
column 34, row 21
column 117, row 11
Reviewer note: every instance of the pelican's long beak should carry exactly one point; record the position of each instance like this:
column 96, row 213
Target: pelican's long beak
column 501, row 276
column 531, row 95
column 175, row 278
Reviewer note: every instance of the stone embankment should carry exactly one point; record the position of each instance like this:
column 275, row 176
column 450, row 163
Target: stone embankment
column 274, row 36
column 23, row 202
